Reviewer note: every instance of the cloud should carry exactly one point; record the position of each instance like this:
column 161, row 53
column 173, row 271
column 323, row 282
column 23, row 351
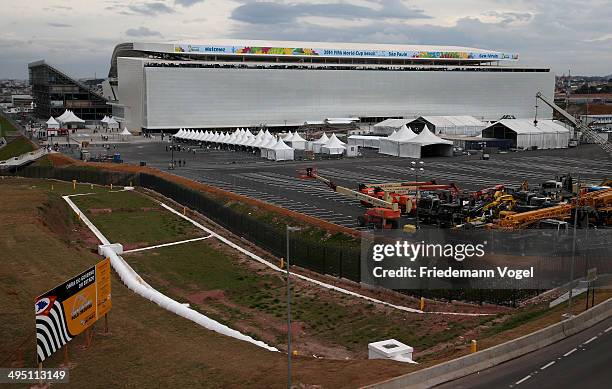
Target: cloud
column 271, row 12
column 151, row 9
column 510, row 17
column 60, row 25
column 142, row 32
column 187, row 3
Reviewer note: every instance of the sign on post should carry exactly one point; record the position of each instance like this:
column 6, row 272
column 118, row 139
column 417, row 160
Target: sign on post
column 70, row 308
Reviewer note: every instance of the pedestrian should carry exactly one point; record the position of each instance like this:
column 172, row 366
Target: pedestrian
column 166, row 147
column 183, row 163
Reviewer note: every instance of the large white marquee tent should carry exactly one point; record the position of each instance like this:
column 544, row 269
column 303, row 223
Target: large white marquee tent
column 524, row 134
column 450, row 125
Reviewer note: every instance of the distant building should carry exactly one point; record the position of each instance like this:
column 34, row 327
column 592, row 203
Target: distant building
column 228, row 83
column 21, row 101
column 54, row 92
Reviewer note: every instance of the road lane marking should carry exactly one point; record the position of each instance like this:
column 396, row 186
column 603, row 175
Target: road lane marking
column 569, row 352
column 522, row 380
column 608, row 329
column 590, row 340
column 549, row 364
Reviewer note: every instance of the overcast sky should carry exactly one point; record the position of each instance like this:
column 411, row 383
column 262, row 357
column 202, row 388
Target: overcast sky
column 79, row 36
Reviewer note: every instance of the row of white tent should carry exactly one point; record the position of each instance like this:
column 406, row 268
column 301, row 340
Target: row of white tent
column 270, row 146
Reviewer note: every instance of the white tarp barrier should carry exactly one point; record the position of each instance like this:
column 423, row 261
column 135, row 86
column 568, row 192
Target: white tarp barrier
column 372, row 142
column 135, row 283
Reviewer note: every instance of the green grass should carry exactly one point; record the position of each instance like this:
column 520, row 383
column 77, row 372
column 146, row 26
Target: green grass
column 334, row 319
column 6, row 127
column 134, row 219
column 15, row 148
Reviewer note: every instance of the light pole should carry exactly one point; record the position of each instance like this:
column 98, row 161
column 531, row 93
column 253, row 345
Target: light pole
column 416, row 170
column 289, row 229
column 573, row 265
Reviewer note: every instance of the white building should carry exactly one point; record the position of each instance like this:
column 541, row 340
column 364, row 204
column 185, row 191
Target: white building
column 224, row 84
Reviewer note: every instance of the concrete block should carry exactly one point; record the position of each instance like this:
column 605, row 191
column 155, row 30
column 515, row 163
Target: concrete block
column 116, row 247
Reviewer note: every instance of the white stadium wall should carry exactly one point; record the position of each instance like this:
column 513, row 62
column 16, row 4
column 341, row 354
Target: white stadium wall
column 217, row 97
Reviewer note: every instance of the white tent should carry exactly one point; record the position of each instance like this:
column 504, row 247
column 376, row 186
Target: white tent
column 104, row 119
column 280, row 152
column 296, row 142
column 523, row 133
column 63, row 116
column 287, row 137
column 317, row 144
column 52, row 123
column 425, row 144
column 125, row 134
column 112, row 123
column 71, row 118
column 386, row 127
column 451, row 125
column 391, row 144
column 265, row 147
column 333, row 146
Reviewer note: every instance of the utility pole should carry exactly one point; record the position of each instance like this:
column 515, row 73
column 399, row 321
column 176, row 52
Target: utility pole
column 289, row 229
column 418, row 196
column 573, row 264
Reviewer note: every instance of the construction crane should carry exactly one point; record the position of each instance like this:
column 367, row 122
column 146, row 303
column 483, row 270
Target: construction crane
column 600, row 201
column 588, row 133
column 384, row 213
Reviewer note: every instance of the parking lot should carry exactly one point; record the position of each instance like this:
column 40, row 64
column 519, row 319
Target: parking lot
column 279, row 183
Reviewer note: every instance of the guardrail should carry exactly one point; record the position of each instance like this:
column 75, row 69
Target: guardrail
column 495, row 355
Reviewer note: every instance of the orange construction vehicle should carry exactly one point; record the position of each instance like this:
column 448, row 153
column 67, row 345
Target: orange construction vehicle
column 599, row 201
column 383, row 214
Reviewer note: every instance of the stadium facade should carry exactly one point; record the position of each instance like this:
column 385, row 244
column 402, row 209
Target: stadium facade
column 224, row 84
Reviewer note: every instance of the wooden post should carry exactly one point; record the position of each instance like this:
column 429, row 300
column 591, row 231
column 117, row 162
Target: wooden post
column 40, row 381
column 51, row 186
column 422, row 304
column 474, row 346
column 111, row 186
column 282, row 263
column 184, row 211
column 73, row 184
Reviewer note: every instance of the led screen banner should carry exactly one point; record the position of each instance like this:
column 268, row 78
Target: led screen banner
column 331, row 52
column 70, row 308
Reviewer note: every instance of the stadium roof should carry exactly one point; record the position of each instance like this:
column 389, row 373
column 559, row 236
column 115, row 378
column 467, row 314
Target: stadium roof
column 343, row 51
column 326, row 49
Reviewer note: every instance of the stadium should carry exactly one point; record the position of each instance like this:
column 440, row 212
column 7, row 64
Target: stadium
column 230, row 83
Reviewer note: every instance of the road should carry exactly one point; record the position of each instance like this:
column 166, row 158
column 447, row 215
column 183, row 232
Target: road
column 581, row 361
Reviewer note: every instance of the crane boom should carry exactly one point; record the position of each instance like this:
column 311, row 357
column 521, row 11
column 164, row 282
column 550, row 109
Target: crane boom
column 353, row 193
column 589, row 133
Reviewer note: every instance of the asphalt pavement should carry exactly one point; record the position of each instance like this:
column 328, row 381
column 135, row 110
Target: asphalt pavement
column 583, row 361
column 279, row 183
